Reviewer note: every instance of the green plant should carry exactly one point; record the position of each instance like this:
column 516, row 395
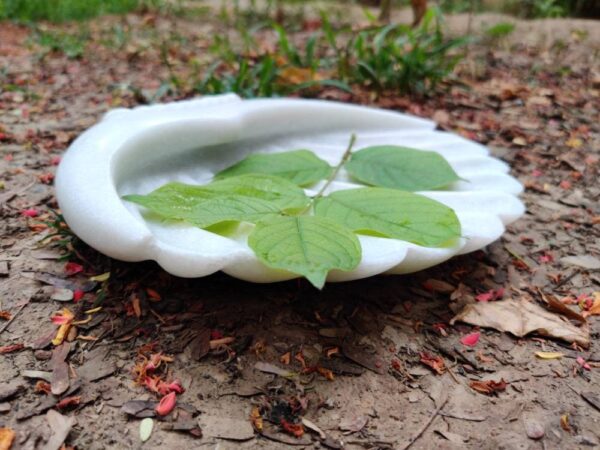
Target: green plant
column 65, row 10
column 401, row 58
column 548, row 8
column 312, row 235
column 500, row 30
column 394, row 57
column 71, row 45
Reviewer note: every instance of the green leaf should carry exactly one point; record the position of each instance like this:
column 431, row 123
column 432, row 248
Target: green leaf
column 401, row 168
column 307, row 245
column 392, row 213
column 184, row 201
column 228, row 208
column 280, row 191
column 173, row 200
column 301, row 167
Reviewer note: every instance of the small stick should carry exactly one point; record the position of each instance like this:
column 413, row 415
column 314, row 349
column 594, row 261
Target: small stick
column 425, row 425
column 14, row 316
column 337, row 168
column 566, row 279
column 333, row 175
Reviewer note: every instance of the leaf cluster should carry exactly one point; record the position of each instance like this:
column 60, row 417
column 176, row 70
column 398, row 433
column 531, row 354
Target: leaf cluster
column 311, row 236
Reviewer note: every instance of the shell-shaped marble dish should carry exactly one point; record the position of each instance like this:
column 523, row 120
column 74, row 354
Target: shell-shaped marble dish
column 138, row 150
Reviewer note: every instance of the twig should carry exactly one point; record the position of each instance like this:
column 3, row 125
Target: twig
column 337, row 168
column 566, row 279
column 451, row 372
column 425, row 425
column 14, row 316
column 454, row 416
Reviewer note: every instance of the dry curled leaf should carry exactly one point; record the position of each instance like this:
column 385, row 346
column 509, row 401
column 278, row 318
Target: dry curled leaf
column 564, row 423
column 488, row 387
column 520, row 317
column 7, row 436
column 549, row 355
column 434, row 362
column 256, row 419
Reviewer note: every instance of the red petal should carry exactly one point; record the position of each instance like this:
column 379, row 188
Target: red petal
column 471, row 339
column 166, row 404
column 72, row 268
column 31, row 212
column 60, row 320
column 77, row 295
column 582, row 362
column 485, row 297
column 176, row 386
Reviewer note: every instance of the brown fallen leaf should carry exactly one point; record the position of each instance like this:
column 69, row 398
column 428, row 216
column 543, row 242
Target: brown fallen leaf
column 559, row 307
column 358, row 355
column 9, row 390
column 564, row 423
column 587, row 262
column 7, row 436
column 440, row 286
column 520, row 317
column 353, row 424
column 488, row 387
column 271, row 368
column 592, row 398
column 139, row 408
column 60, row 369
column 434, row 362
column 200, row 344
column 60, row 426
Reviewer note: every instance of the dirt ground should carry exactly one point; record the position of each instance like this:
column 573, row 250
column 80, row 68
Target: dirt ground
column 363, row 356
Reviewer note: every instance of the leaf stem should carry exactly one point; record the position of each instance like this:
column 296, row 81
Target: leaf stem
column 337, row 168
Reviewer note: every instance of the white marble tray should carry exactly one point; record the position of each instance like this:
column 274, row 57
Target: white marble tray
column 138, row 150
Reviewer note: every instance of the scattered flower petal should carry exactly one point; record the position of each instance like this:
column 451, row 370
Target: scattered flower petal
column 471, row 339
column 31, row 212
column 72, row 268
column 166, row 404
column 583, row 363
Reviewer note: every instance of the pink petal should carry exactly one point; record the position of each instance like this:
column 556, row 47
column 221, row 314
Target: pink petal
column 485, row 297
column 582, row 362
column 176, row 386
column 30, row 212
column 77, row 295
column 72, row 268
column 166, row 404
column 60, row 320
column 470, row 340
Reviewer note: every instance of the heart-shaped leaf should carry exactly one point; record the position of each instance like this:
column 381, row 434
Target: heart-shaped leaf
column 301, row 167
column 393, row 214
column 307, row 245
column 401, row 168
